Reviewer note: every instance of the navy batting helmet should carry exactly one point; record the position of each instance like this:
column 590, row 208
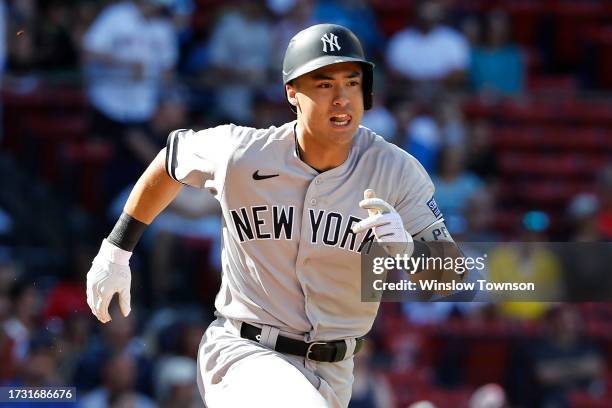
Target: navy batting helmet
column 325, row 44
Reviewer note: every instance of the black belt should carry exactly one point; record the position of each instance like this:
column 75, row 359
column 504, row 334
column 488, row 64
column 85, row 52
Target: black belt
column 324, row 351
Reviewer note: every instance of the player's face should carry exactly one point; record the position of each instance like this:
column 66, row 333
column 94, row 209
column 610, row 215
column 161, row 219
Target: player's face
column 330, row 101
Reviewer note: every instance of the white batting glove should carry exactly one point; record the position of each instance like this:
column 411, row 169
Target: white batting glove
column 109, row 274
column 388, row 227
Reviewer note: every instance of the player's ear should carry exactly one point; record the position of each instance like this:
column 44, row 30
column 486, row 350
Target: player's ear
column 291, row 91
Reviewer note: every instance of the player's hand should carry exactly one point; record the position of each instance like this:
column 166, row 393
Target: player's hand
column 109, row 274
column 387, row 224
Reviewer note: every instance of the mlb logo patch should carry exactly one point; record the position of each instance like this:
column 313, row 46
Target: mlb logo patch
column 433, row 206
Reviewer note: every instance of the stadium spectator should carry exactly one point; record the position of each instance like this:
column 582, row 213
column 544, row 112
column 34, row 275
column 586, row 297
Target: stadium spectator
column 482, row 157
column 190, row 335
column 380, row 119
column 496, row 65
column 422, row 137
column 296, row 17
column 451, row 122
column 488, row 396
column 130, row 51
column 479, row 218
column 84, row 14
column 454, row 187
column 57, row 45
column 117, row 388
column 471, row 30
column 26, row 302
column 118, row 337
column 142, row 143
column 432, row 56
column 586, row 265
column 583, row 213
column 39, row 368
column 529, row 261
column 358, row 17
column 563, row 359
column 252, row 48
column 370, row 388
column 176, row 383
column 71, row 343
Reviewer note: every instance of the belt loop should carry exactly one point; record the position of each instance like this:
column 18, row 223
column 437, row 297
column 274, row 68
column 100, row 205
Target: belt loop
column 268, row 336
column 350, row 347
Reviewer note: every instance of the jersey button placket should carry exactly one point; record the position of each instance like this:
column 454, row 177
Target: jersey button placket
column 317, row 182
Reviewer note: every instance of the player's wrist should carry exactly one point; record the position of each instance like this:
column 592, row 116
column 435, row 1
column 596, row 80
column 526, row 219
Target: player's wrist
column 127, row 232
column 112, row 253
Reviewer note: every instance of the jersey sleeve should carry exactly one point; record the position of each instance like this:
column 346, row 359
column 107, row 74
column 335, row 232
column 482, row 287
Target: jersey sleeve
column 200, row 159
column 418, row 207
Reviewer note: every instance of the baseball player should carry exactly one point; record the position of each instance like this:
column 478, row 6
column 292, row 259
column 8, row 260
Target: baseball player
column 295, row 221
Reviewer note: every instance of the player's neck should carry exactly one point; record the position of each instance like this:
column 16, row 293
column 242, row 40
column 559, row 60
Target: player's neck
column 320, row 154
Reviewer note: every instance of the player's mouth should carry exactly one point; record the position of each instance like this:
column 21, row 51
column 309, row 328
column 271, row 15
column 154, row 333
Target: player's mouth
column 341, row 121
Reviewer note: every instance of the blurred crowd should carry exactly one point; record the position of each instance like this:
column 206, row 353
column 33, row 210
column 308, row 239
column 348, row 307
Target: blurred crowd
column 91, row 89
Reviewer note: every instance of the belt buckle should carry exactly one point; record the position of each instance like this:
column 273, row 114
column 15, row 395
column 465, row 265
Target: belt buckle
column 309, row 350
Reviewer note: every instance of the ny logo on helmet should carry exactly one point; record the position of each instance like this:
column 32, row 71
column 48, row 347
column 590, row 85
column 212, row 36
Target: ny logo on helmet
column 331, row 40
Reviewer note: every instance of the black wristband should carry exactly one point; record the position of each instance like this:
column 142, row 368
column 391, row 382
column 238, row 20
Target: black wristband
column 127, row 232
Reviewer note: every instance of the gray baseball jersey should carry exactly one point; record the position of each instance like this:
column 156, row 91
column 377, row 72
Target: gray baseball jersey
column 289, row 256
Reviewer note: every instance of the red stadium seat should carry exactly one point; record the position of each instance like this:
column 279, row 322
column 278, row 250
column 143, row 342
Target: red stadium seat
column 582, row 399
column 525, row 16
column 572, row 19
column 553, row 137
column 601, row 39
column 487, row 361
column 85, row 164
column 554, row 165
column 567, row 84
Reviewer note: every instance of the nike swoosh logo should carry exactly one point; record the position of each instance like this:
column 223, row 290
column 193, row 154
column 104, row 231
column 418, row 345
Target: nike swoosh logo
column 257, row 176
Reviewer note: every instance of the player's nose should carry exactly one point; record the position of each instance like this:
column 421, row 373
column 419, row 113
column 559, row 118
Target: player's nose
column 340, row 97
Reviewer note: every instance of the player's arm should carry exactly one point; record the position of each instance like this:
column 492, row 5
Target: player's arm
column 433, row 242
column 153, row 192
column 110, row 271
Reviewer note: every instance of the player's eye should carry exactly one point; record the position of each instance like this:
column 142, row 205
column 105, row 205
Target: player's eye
column 354, row 83
column 324, row 85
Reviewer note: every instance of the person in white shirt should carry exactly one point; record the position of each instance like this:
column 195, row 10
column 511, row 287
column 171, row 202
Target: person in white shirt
column 430, row 52
column 240, row 52
column 129, row 51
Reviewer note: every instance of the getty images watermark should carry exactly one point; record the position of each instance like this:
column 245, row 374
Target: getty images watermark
column 491, row 272
column 382, row 265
